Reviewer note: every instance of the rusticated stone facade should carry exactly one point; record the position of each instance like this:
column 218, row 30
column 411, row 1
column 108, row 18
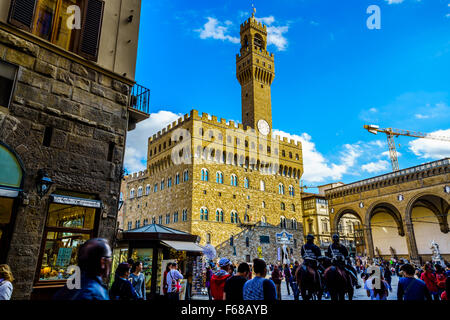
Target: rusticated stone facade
column 214, row 178
column 85, row 109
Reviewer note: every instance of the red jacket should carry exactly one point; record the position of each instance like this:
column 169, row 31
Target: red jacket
column 440, row 280
column 217, row 285
column 430, row 280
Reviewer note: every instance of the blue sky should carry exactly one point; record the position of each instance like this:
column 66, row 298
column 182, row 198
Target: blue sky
column 333, row 75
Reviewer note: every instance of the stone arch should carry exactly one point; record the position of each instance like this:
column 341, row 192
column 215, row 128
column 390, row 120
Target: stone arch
column 390, row 209
column 427, row 200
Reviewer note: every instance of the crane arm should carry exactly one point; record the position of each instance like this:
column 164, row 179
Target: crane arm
column 400, row 132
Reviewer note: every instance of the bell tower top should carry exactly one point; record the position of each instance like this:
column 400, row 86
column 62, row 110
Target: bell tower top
column 255, row 71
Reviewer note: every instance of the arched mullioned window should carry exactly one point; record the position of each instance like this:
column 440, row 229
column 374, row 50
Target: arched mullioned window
column 177, row 178
column 147, row 190
column 234, row 217
column 205, row 175
column 234, row 180
column 204, row 214
column 280, row 188
column 291, row 191
column 131, row 193
column 219, row 215
column 140, row 192
column 294, row 223
column 219, row 177
column 263, row 221
column 282, row 222
column 185, row 175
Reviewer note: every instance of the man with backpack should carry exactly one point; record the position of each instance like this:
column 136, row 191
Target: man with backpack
column 172, row 278
column 410, row 288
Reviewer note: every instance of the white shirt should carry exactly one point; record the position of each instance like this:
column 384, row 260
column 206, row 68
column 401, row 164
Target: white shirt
column 6, row 289
column 172, row 275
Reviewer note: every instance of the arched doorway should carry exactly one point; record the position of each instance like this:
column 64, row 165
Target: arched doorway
column 388, row 234
column 349, row 226
column 428, row 217
column 11, row 180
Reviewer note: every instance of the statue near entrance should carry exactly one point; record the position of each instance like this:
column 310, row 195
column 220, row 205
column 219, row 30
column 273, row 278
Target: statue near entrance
column 436, row 254
column 393, row 253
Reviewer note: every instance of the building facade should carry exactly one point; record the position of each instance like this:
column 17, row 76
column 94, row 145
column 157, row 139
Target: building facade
column 219, row 179
column 316, row 221
column 66, row 104
column 401, row 212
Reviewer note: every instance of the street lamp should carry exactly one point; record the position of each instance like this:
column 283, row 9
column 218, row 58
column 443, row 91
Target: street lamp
column 43, row 183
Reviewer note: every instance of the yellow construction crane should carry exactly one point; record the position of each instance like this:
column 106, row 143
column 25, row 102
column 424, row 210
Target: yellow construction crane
column 391, row 133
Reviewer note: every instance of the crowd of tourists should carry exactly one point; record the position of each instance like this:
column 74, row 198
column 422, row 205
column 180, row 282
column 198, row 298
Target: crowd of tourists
column 257, row 281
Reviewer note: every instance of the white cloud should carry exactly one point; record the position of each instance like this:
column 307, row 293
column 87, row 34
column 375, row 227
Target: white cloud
column 213, row 29
column 373, row 110
column 432, row 149
column 137, row 139
column 387, row 155
column 316, row 167
column 372, row 167
column 421, row 116
column 394, row 1
column 275, row 34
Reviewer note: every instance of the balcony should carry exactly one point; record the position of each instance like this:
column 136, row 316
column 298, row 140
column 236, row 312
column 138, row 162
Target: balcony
column 138, row 107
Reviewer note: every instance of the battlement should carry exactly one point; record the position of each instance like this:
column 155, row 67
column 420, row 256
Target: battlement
column 224, row 123
column 136, row 176
column 252, row 22
column 246, row 50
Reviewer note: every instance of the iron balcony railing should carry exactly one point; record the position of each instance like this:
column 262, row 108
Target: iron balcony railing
column 140, row 98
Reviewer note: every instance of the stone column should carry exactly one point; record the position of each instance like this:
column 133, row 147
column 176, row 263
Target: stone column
column 369, row 241
column 411, row 242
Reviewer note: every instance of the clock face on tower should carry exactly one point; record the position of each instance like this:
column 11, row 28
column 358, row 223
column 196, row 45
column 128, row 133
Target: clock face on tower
column 263, row 127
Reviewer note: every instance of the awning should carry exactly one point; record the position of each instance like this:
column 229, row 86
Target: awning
column 9, row 192
column 183, row 246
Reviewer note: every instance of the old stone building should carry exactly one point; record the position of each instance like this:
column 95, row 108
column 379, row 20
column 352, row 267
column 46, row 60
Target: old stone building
column 316, row 221
column 65, row 108
column 221, row 180
column 401, row 212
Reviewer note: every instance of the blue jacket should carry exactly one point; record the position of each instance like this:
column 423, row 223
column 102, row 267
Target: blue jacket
column 92, row 288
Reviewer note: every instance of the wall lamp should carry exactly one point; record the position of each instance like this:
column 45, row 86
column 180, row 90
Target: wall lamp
column 43, row 183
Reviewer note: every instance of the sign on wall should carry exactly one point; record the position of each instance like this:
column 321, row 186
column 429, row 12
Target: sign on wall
column 284, row 238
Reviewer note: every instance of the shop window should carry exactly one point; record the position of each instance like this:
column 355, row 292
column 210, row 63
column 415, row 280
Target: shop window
column 47, row 19
column 68, row 226
column 8, row 74
column 264, row 239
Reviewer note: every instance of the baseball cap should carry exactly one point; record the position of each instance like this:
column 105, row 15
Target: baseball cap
column 224, row 262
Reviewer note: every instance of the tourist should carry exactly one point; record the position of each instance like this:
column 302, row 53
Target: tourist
column 260, row 288
column 388, row 275
column 374, row 293
column 209, row 274
column 6, row 279
column 295, row 289
column 168, row 267
column 138, row 280
column 94, row 261
column 288, row 278
column 277, row 278
column 173, row 286
column 429, row 278
column 410, row 288
column 122, row 289
column 234, row 286
column 440, row 278
column 446, row 293
column 219, row 278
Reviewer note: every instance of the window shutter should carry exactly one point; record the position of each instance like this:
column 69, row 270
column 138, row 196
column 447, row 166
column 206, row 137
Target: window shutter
column 21, row 13
column 91, row 29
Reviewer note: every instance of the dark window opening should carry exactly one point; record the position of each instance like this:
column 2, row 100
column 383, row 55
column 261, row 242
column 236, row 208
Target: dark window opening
column 7, row 77
column 47, row 136
column 112, row 145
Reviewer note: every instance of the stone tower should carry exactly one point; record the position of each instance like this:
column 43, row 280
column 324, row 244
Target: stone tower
column 255, row 71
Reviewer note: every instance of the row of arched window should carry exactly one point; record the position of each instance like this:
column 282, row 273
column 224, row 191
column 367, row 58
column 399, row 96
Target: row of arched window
column 204, row 176
column 161, row 185
column 169, row 218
